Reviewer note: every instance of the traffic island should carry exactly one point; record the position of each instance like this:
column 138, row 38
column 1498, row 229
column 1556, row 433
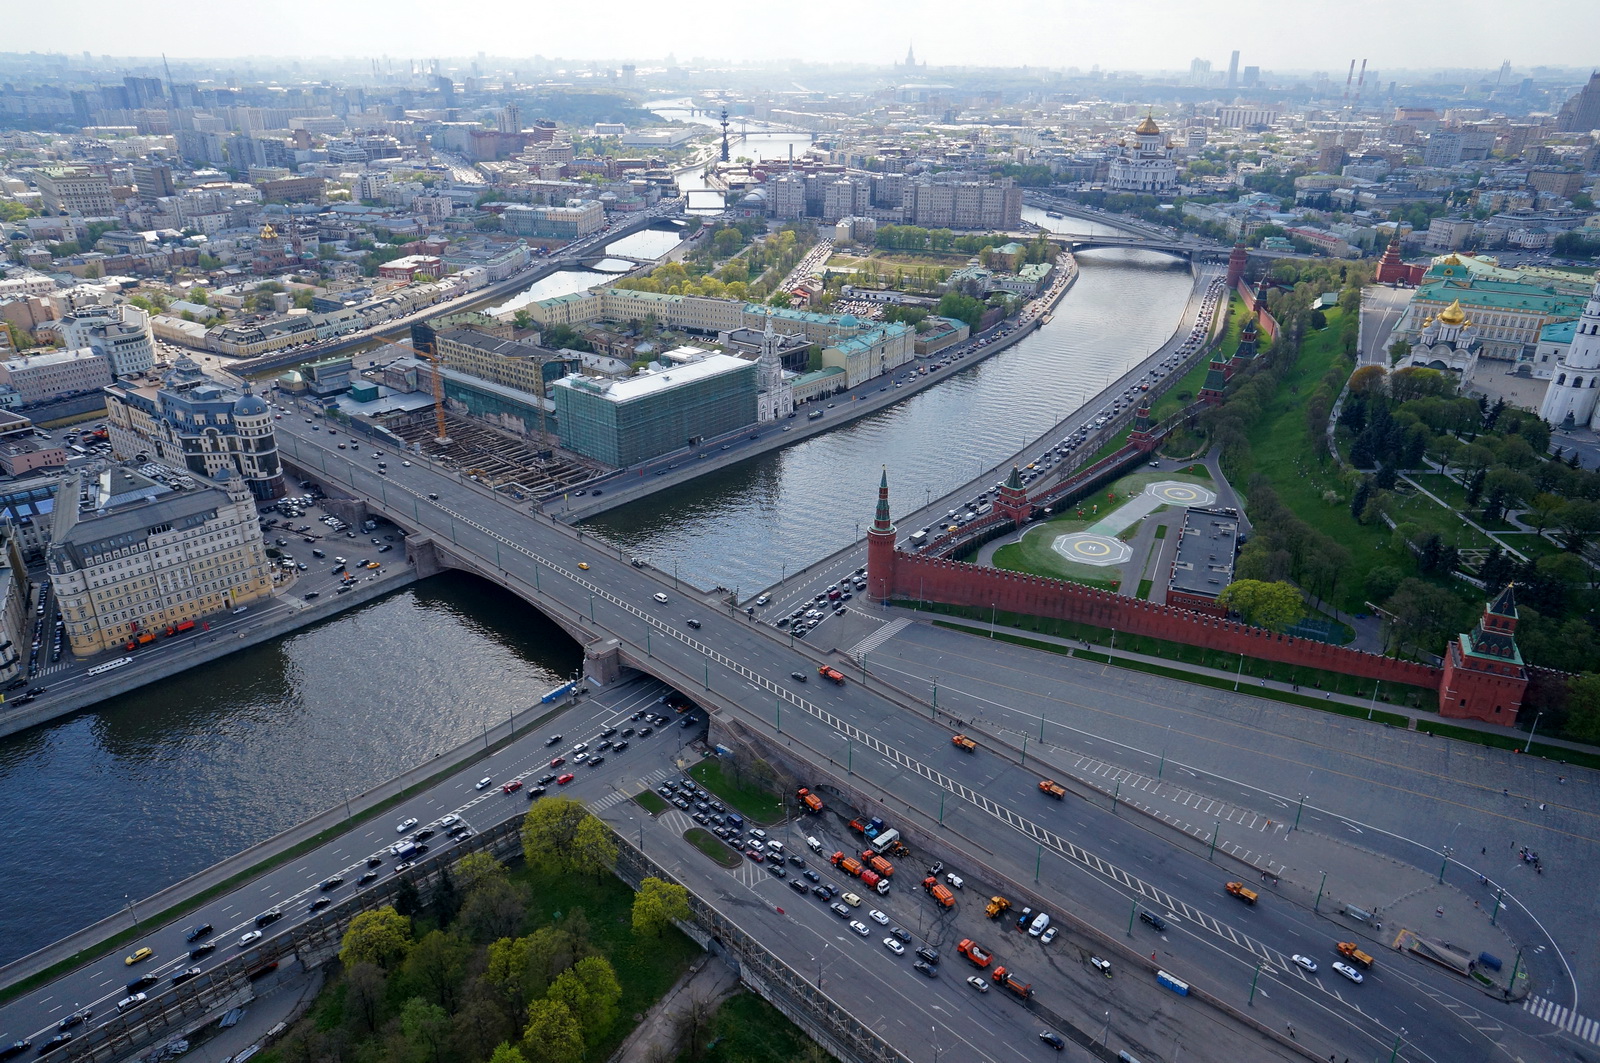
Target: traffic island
column 709, row 844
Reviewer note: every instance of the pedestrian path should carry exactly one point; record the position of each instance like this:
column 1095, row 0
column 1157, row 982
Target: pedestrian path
column 1564, row 1018
column 878, row 637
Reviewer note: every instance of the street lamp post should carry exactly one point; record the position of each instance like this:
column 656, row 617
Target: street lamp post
column 1299, row 810
column 135, row 915
column 1444, row 863
column 1254, row 979
column 1216, row 828
column 1537, row 717
column 1318, row 905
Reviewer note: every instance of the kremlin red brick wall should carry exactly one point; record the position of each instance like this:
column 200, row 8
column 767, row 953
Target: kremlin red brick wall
column 1268, row 323
column 956, row 583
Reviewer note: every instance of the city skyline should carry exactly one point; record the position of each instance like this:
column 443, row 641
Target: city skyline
column 1151, row 36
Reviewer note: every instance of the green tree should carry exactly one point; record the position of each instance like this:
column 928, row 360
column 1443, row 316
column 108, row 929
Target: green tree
column 591, row 991
column 548, row 831
column 592, row 848
column 438, row 965
column 381, row 937
column 1274, row 606
column 426, row 1027
column 198, row 295
column 1583, row 708
column 507, row 1053
column 657, row 905
column 1578, row 522
column 494, row 910
column 1542, row 509
column 365, row 985
column 475, row 869
column 552, row 1034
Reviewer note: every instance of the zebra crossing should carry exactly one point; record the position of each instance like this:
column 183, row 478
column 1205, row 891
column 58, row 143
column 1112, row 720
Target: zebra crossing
column 878, row 637
column 1563, row 1018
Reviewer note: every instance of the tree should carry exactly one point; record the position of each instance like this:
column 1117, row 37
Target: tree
column 1583, row 707
column 496, row 909
column 426, row 1027
column 1382, row 581
column 365, row 985
column 474, row 869
column 592, row 848
column 657, row 905
column 506, row 971
column 1274, row 606
column 1542, row 510
column 1358, row 501
column 590, row 990
column 1578, row 523
column 438, row 965
column 381, row 937
column 1423, row 614
column 548, row 831
column 1368, row 380
column 552, row 1034
column 507, row 1053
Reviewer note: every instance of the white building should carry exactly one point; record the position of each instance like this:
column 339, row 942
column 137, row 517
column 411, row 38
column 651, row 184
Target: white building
column 1148, row 167
column 1448, row 341
column 119, row 334
column 1576, row 385
column 775, row 398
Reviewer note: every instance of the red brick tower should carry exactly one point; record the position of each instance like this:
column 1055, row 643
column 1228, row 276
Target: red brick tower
column 1011, row 501
column 1484, row 678
column 880, row 546
column 1213, row 390
column 1390, row 268
column 1142, row 436
column 1238, row 258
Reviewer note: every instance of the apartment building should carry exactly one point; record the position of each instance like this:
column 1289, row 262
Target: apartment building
column 509, row 362
column 50, row 374
column 119, row 334
column 563, row 223
column 75, row 190
column 136, row 551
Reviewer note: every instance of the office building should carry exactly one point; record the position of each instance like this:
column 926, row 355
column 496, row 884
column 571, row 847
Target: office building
column 153, row 180
column 1581, row 113
column 74, row 190
column 512, row 363
column 16, row 612
column 119, row 334
column 561, row 223
column 189, row 421
column 623, row 422
column 1203, row 564
column 136, row 552
column 1233, row 71
column 52, row 374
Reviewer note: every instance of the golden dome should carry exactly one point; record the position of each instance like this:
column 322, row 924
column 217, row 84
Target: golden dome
column 1148, row 127
column 1453, row 314
column 1451, row 261
column 268, row 232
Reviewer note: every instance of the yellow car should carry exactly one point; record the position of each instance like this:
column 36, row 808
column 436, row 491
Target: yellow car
column 372, row 564
column 139, row 957
column 584, row 565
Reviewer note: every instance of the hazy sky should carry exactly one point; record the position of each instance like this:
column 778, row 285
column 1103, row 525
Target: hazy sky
column 1116, row 34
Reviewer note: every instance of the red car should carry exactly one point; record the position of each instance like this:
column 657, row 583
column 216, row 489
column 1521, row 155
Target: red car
column 757, row 857
column 511, row 787
column 558, row 762
column 562, row 780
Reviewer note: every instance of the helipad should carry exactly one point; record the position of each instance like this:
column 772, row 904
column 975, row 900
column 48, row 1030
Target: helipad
column 1100, row 546
column 1087, row 548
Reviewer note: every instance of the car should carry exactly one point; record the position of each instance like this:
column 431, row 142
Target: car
column 195, row 933
column 757, row 855
column 374, row 861
column 404, row 865
column 1153, row 919
column 776, row 868
column 646, row 732
column 595, row 762
column 1349, row 972
column 424, row 834
column 878, row 917
column 552, row 740
column 798, row 677
column 272, row 915
column 333, row 882
column 511, row 787
column 859, row 927
column 450, row 820
column 139, row 957
column 248, row 938
column 183, row 976
column 1305, row 962
column 1048, row 936
column 840, row 910
column 432, row 497
column 580, row 758
column 977, row 983
column 693, row 623
column 144, row 981
column 366, row 878
column 1053, row 1039
column 405, row 825
column 894, row 946
column 556, row 762
column 562, row 780
column 1103, row 966
column 203, row 949
column 77, row 1018
column 658, row 596
column 851, row 899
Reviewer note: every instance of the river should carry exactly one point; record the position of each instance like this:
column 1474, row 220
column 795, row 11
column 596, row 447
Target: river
column 148, row 788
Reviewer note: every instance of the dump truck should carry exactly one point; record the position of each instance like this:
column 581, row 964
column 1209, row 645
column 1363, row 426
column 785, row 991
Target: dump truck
column 139, row 639
column 1052, row 788
column 848, row 864
column 812, row 802
column 1008, row 978
column 832, row 675
column 941, row 894
column 965, row 744
column 1241, row 891
column 1352, row 952
column 178, row 629
column 874, row 881
column 859, row 826
column 975, row 953
column 871, row 858
column 874, row 827
column 996, row 907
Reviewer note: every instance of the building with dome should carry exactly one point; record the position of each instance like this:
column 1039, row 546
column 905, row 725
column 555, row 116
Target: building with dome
column 1570, row 400
column 1147, row 166
column 1509, row 307
column 1449, row 341
column 189, row 421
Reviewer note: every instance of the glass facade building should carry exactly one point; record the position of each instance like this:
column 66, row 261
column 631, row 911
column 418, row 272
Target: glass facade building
column 624, row 422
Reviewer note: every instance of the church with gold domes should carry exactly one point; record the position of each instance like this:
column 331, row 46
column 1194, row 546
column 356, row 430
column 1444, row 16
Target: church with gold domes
column 1448, row 341
column 1147, row 166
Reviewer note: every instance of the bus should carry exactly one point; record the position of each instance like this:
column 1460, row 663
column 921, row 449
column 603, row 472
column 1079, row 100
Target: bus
column 102, row 669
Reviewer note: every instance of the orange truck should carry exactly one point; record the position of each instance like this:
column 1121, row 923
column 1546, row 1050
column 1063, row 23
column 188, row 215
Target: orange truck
column 1352, row 952
column 1008, row 978
column 848, row 864
column 140, row 639
column 940, row 894
column 975, row 953
column 832, row 675
column 812, row 802
column 1241, row 891
column 871, row 858
column 1052, row 788
column 963, row 743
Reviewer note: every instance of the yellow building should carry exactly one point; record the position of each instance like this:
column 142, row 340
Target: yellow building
column 134, row 552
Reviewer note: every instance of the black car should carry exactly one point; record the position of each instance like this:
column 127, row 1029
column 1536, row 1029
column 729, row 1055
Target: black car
column 366, row 878
column 627, row 732
column 374, row 861
column 198, row 932
column 424, row 834
column 777, row 869
column 646, row 732
column 77, row 1018
column 927, row 968
column 620, row 746
column 15, row 1048
column 798, row 677
column 54, row 1043
column 900, row 933
column 1153, row 919
column 690, row 721
column 595, row 762
column 798, row 886
column 552, row 740
column 535, row 792
column 331, row 883
column 929, row 954
column 202, row 950
column 268, row 917
column 183, row 976
column 144, row 981
column 319, row 904
column 1053, row 1039
column 822, row 892
column 608, row 732
column 812, row 875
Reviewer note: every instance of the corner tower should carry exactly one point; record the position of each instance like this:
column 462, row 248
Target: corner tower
column 880, row 546
column 1484, row 678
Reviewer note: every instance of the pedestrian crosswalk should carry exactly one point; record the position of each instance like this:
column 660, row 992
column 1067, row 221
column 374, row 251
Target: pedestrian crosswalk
column 1564, row 1018
column 879, row 637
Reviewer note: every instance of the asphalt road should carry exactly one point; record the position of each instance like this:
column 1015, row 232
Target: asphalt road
column 1102, row 862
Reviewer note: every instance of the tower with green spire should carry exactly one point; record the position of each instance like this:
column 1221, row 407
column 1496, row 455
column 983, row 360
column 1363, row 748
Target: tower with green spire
column 1212, row 391
column 1011, row 501
column 1484, row 677
column 880, row 546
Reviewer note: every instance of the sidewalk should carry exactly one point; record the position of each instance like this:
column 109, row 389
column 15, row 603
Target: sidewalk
column 697, row 994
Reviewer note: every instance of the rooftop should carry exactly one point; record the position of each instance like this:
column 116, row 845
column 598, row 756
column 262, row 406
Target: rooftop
column 1206, row 549
column 646, row 384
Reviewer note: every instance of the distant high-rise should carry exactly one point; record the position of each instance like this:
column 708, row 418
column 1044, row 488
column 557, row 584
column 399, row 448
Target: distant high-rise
column 1233, row 70
column 1252, row 76
column 1581, row 113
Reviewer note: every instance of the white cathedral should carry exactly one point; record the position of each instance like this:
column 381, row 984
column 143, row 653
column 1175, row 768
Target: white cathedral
column 775, row 397
column 1148, row 167
column 1575, row 384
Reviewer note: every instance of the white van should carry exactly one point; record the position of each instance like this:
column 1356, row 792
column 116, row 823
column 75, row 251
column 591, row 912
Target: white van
column 1040, row 921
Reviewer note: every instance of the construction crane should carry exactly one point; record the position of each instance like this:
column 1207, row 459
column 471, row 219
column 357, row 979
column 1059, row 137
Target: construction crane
column 422, row 341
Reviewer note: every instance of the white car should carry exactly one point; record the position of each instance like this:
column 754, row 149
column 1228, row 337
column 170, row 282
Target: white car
column 1048, row 936
column 484, row 783
column 859, row 927
column 450, row 820
column 405, row 825
column 1305, row 961
column 249, row 938
column 878, row 917
column 978, row 983
column 894, row 946
column 662, row 598
column 1349, row 972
